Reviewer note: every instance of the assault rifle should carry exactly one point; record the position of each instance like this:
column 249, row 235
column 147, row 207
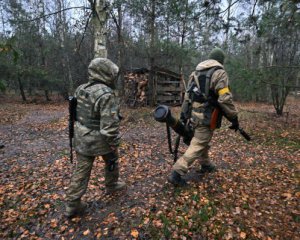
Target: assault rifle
column 72, row 119
column 215, row 118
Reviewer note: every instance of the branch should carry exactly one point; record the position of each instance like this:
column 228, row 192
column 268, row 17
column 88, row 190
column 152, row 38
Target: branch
column 53, row 13
column 279, row 85
column 85, row 28
column 276, row 66
column 254, row 8
column 114, row 18
column 229, row 6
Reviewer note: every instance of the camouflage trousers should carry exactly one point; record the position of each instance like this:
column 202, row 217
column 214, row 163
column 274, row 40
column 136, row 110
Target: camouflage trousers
column 81, row 175
column 198, row 149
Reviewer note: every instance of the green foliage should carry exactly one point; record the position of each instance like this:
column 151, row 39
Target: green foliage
column 7, row 48
column 245, row 83
column 44, row 54
column 2, row 86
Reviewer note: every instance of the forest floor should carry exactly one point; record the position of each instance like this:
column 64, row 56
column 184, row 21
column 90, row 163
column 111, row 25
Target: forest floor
column 254, row 194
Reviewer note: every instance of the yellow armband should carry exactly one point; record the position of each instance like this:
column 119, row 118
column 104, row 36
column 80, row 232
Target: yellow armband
column 223, row 91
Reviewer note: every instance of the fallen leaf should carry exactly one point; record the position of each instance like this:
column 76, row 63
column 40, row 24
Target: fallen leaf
column 134, row 233
column 47, row 206
column 53, row 223
column 243, row 235
column 287, row 195
column 87, row 232
column 63, row 228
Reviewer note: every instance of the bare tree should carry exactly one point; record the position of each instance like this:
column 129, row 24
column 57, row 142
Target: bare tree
column 65, row 61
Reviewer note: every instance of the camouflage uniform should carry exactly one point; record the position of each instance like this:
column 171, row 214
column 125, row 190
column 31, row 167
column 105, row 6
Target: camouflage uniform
column 96, row 131
column 199, row 146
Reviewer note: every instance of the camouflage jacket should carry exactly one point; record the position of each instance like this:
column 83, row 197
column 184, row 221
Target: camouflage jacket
column 97, row 103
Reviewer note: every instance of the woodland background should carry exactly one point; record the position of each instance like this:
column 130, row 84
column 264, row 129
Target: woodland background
column 45, row 48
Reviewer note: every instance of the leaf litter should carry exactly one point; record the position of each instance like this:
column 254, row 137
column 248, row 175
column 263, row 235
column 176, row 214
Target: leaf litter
column 254, row 194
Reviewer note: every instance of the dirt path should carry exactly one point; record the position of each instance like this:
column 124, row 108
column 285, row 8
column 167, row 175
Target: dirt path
column 30, row 135
column 255, row 191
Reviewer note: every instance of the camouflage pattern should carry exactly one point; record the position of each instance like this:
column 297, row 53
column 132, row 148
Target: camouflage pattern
column 102, row 105
column 103, row 70
column 199, row 146
column 112, row 181
column 96, row 131
column 80, row 179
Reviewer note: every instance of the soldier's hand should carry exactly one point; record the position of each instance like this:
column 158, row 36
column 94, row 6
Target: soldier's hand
column 235, row 124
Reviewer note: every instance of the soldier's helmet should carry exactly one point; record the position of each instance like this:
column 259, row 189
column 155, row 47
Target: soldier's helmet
column 103, row 70
column 217, row 54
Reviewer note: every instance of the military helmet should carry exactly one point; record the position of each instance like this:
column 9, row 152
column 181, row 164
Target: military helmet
column 217, row 54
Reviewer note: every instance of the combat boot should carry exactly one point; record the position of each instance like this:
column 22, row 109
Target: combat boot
column 112, row 181
column 207, row 168
column 75, row 209
column 176, row 179
column 116, row 186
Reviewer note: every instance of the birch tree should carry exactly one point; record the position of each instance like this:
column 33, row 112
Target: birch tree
column 100, row 11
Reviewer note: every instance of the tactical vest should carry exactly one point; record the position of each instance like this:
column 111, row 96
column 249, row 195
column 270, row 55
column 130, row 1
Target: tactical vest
column 200, row 92
column 86, row 100
column 200, row 86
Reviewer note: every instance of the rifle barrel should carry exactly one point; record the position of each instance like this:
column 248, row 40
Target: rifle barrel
column 244, row 134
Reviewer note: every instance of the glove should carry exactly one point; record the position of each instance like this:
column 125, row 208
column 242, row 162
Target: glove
column 187, row 140
column 234, row 124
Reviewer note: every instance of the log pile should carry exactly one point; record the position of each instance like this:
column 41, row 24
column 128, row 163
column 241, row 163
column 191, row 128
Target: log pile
column 167, row 87
column 135, row 88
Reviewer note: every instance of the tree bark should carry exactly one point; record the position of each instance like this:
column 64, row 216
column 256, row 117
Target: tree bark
column 119, row 24
column 99, row 19
column 21, row 88
column 151, row 93
column 67, row 74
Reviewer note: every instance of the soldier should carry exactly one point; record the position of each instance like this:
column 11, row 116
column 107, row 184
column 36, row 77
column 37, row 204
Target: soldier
column 96, row 132
column 212, row 77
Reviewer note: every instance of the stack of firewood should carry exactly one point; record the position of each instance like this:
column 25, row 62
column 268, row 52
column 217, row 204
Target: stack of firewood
column 135, row 88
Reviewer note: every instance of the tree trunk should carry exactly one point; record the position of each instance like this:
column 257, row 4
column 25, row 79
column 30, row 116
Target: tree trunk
column 21, row 88
column 42, row 46
column 99, row 19
column 279, row 95
column 121, row 53
column 227, row 30
column 62, row 38
column 183, row 35
column 151, row 92
column 47, row 95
